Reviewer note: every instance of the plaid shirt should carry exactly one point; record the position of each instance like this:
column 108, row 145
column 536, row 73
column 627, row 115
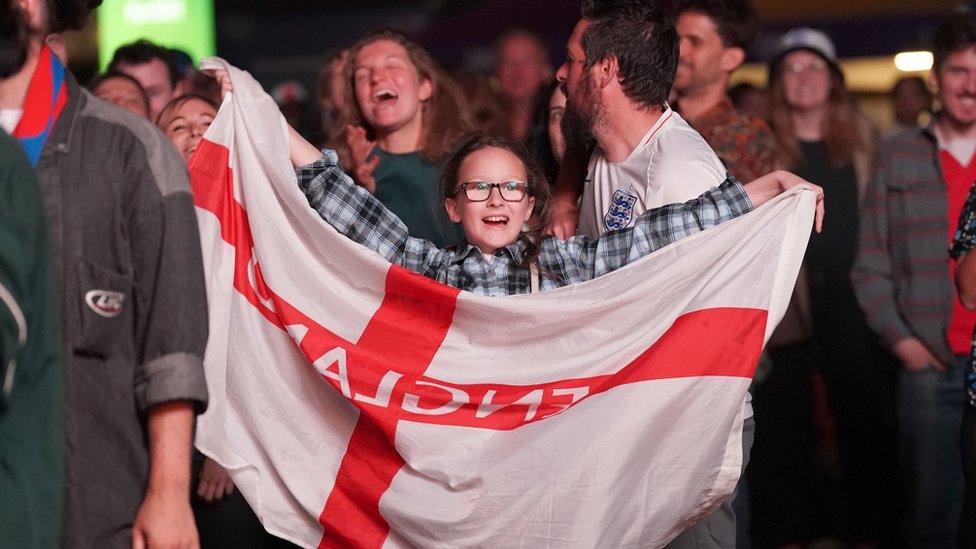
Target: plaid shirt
column 901, row 274
column 963, row 242
column 362, row 218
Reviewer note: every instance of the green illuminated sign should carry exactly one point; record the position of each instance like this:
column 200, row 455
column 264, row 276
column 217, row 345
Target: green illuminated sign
column 183, row 24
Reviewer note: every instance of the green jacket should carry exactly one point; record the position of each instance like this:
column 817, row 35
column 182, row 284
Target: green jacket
column 30, row 363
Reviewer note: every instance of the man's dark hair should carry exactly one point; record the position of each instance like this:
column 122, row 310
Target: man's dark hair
column 183, row 62
column 13, row 38
column 641, row 36
column 956, row 32
column 736, row 20
column 143, row 51
column 69, row 14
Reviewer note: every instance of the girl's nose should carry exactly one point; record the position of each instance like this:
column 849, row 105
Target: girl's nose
column 495, row 197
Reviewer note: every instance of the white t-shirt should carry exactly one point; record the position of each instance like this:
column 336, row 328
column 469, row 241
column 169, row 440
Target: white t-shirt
column 9, row 118
column 961, row 148
column 672, row 163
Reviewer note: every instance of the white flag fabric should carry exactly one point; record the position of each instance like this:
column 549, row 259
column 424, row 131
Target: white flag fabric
column 357, row 404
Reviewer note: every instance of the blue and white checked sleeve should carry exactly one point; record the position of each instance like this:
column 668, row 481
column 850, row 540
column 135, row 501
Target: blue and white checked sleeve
column 358, row 215
column 652, row 230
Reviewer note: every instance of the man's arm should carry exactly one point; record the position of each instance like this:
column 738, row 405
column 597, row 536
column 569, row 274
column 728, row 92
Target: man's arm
column 165, row 518
column 564, row 212
column 662, row 226
column 171, row 331
column 873, row 279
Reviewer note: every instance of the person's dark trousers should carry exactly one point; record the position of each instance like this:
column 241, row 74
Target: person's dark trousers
column 929, row 421
column 967, row 439
column 743, row 515
column 718, row 529
column 230, row 522
column 859, row 380
column 782, row 470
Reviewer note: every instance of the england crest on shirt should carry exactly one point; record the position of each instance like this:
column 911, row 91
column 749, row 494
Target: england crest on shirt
column 621, row 210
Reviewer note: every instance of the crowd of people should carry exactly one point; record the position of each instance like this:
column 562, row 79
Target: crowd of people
column 860, row 425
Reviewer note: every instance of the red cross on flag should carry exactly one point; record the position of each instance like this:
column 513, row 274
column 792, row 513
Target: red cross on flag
column 356, row 404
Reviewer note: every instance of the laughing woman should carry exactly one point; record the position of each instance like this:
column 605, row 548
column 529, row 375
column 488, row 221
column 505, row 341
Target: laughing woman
column 406, row 115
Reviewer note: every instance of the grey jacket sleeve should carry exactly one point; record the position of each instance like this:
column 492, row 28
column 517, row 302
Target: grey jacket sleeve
column 169, row 290
column 872, row 273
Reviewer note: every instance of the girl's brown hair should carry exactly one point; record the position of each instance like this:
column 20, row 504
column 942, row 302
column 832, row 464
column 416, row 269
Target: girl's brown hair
column 538, row 187
column 842, row 134
column 178, row 102
column 445, row 116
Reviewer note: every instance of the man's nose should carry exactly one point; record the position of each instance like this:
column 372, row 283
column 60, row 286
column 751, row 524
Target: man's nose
column 971, row 83
column 563, row 72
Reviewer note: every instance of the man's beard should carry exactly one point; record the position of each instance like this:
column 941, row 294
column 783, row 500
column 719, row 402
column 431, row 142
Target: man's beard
column 580, row 115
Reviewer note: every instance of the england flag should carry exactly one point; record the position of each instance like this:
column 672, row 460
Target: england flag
column 356, row 404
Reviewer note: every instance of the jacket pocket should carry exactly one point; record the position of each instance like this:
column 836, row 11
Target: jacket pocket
column 105, row 300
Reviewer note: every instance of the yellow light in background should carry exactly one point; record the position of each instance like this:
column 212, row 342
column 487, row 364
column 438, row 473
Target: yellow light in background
column 913, row 61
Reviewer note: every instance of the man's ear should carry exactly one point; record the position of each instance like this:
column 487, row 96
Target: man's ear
column 732, row 58
column 934, row 80
column 453, row 212
column 608, row 70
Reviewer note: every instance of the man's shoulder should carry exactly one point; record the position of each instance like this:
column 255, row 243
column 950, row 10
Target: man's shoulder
column 741, row 127
column 910, row 147
column 907, row 139
column 110, row 118
column 682, row 164
column 679, row 144
column 112, row 122
column 678, row 139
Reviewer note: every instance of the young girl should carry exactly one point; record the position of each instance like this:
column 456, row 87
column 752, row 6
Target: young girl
column 403, row 116
column 495, row 191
